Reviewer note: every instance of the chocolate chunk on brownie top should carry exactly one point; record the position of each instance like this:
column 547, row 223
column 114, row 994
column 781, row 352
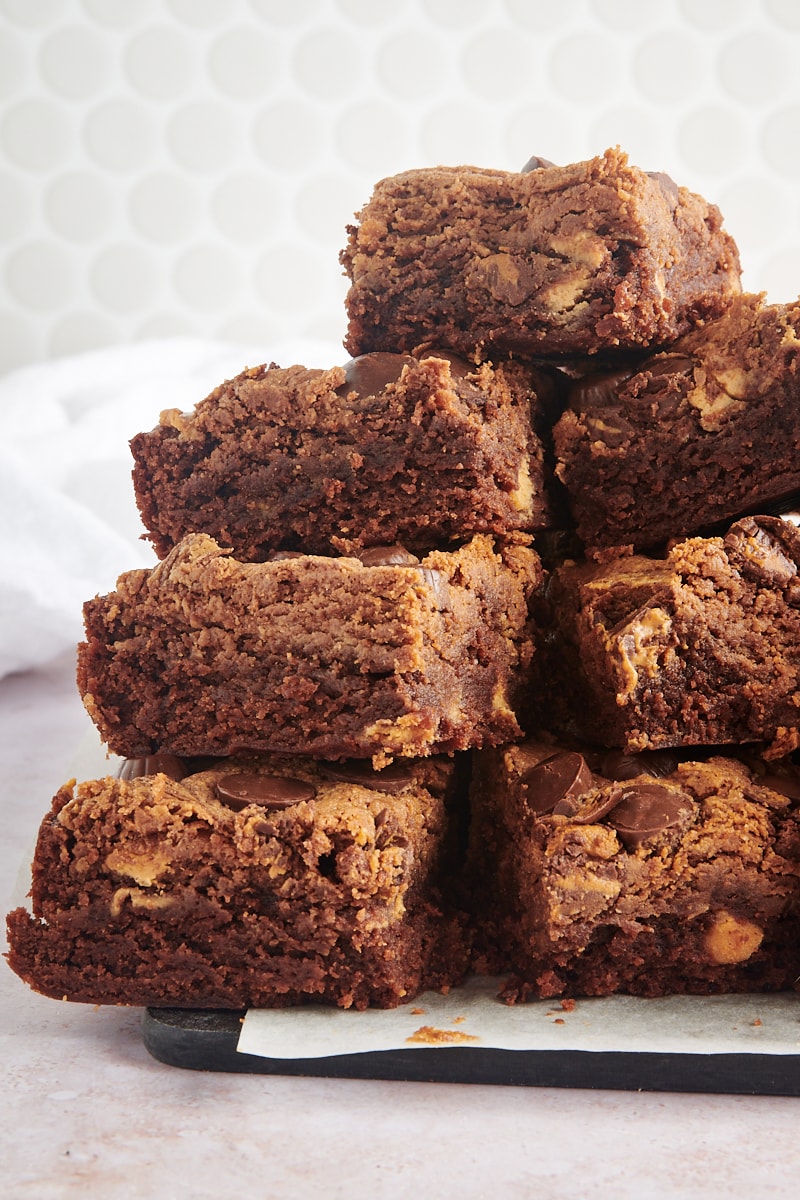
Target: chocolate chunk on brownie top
column 686, row 880
column 263, row 880
column 389, row 448
column 703, row 432
column 700, row 647
column 557, row 260
column 332, row 657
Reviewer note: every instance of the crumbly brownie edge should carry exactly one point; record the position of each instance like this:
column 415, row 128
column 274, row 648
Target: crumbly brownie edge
column 304, row 460
column 166, row 665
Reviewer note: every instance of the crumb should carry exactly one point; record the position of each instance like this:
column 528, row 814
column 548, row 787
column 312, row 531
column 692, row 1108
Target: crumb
column 459, row 1020
column 559, row 1021
column 418, row 1012
column 567, row 1004
column 757, row 1022
column 440, row 1037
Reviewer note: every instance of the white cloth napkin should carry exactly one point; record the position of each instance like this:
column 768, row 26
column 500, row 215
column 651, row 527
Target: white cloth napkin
column 69, row 522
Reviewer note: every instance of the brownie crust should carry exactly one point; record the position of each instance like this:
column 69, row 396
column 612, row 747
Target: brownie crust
column 579, row 259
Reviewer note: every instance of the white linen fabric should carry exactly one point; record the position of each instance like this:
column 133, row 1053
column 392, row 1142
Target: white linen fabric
column 69, row 520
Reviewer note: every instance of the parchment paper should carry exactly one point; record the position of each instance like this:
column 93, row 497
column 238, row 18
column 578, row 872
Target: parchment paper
column 472, row 1016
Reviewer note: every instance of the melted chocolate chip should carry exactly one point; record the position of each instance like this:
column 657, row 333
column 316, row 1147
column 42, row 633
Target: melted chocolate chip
column 267, row 791
column 785, row 785
column 386, row 556
column 589, row 812
column 598, row 390
column 765, row 549
column 535, row 163
column 434, row 580
column 619, row 765
column 369, row 374
column 558, row 780
column 154, row 764
column 459, row 367
column 669, row 364
column 394, row 778
column 646, row 809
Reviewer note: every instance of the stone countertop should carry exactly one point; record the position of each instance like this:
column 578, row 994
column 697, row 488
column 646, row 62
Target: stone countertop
column 87, row 1111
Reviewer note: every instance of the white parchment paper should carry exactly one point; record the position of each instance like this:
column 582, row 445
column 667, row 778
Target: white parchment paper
column 472, row 1016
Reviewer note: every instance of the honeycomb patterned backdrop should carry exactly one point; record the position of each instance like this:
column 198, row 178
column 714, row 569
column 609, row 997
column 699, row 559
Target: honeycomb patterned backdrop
column 189, row 166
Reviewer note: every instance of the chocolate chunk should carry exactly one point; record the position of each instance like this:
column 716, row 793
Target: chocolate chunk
column 386, row 556
column 560, row 779
column 535, row 163
column 619, row 765
column 268, row 791
column 387, row 831
column 154, row 764
column 785, row 785
column 369, row 374
column 394, row 778
column 598, row 390
column 765, row 549
column 646, row 809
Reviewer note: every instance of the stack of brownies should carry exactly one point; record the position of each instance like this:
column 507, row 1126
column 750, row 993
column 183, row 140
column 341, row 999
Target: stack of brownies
column 479, row 653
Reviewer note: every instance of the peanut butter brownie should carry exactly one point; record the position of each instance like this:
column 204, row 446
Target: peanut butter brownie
column 640, row 874
column 389, row 448
column 698, row 434
column 552, row 261
column 334, row 657
column 700, row 647
column 257, row 881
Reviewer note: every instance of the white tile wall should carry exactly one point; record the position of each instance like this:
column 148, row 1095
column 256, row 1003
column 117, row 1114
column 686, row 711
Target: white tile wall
column 189, row 166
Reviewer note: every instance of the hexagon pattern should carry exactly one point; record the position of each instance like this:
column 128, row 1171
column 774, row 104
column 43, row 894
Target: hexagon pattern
column 189, row 166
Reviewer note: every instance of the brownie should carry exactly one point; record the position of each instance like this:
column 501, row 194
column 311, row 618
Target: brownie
column 699, row 647
column 637, row 874
column 388, row 448
column 698, row 434
column 552, row 261
column 332, row 657
column 257, row 881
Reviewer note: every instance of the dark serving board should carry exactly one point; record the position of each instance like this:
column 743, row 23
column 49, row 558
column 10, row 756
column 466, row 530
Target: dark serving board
column 206, row 1041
